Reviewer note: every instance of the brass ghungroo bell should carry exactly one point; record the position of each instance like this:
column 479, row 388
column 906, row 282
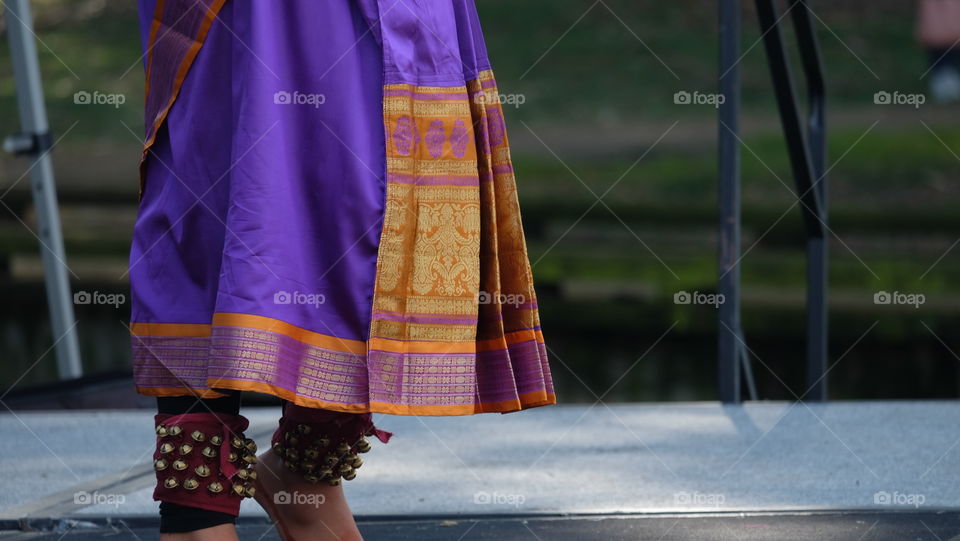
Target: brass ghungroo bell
column 363, row 445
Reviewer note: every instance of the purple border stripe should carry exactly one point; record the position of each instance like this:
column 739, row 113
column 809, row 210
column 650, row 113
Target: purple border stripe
column 418, row 318
column 433, row 180
column 448, row 96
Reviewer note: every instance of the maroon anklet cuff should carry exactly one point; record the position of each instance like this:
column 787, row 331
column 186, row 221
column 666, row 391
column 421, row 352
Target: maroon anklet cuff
column 324, row 445
column 204, row 460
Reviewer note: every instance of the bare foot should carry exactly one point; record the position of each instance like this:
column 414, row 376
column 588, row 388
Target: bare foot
column 307, row 512
column 223, row 532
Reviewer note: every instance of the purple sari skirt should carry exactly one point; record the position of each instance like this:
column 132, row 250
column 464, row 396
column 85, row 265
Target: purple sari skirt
column 328, row 211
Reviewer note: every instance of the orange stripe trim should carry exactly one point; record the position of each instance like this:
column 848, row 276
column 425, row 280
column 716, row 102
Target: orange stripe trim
column 297, row 333
column 178, row 81
column 179, row 391
column 510, row 338
column 524, row 401
column 151, row 41
column 400, row 346
column 343, row 345
column 170, row 329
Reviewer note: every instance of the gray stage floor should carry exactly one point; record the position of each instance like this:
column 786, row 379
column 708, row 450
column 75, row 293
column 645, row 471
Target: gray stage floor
column 895, row 461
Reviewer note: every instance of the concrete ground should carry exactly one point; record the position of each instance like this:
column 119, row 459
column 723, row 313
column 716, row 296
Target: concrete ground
column 841, row 470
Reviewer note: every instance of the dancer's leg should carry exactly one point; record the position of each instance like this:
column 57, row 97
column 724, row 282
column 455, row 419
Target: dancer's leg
column 300, row 477
column 200, row 490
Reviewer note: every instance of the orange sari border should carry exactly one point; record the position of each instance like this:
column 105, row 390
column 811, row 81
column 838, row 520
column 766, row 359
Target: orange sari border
column 342, row 345
column 189, row 56
column 524, row 401
column 181, row 330
column 178, row 391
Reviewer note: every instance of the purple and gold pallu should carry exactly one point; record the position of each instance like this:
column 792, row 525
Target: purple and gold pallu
column 329, row 212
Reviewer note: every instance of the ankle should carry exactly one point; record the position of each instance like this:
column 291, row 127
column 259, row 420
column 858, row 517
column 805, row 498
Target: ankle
column 302, row 506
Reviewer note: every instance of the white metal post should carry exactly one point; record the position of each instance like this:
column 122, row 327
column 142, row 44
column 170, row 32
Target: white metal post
column 35, row 142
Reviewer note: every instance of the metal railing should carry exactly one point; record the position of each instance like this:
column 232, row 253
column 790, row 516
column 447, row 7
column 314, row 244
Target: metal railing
column 807, row 152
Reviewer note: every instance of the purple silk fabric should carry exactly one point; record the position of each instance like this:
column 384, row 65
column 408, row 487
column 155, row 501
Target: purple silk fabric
column 267, row 182
column 420, row 46
column 247, row 199
column 291, row 195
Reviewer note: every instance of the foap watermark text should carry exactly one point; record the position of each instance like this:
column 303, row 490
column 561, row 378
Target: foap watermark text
column 899, row 298
column 297, row 297
column 696, row 97
column 696, row 297
column 498, row 498
column 96, row 297
column 284, row 97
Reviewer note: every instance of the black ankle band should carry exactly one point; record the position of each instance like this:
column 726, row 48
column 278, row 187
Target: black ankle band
column 176, row 518
column 175, row 405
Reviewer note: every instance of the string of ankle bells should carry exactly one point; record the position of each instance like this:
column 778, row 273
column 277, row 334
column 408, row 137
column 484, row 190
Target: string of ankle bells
column 189, row 510
column 317, row 456
column 174, row 454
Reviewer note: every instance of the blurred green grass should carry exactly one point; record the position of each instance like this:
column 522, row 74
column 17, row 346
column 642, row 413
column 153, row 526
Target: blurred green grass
column 624, row 59
column 582, row 61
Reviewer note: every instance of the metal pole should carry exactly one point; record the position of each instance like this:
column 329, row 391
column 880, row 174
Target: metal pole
column 817, row 255
column 731, row 351
column 35, row 142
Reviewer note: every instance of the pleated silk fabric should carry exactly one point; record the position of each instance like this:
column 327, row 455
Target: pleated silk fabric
column 329, row 211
